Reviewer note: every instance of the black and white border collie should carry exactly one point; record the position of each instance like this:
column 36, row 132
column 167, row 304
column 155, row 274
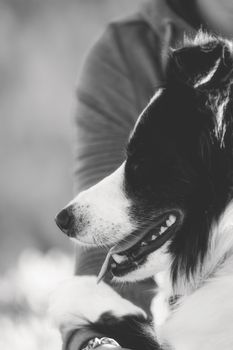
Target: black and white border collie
column 167, row 212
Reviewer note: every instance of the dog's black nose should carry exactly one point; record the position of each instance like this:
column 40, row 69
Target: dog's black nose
column 64, row 220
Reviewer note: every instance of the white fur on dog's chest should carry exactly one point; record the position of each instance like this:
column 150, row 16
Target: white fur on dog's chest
column 203, row 317
column 203, row 320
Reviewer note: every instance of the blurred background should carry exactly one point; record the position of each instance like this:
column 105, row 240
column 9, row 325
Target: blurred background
column 43, row 44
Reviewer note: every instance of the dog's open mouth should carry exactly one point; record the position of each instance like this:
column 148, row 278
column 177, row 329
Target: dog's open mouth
column 129, row 254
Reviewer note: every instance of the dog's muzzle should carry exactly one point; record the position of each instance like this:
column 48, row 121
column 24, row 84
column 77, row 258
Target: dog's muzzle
column 98, row 215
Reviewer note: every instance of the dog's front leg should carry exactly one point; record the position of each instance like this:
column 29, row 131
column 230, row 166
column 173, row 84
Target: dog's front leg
column 81, row 303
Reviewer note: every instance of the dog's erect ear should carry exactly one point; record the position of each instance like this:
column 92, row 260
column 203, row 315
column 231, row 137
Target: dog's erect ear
column 204, row 63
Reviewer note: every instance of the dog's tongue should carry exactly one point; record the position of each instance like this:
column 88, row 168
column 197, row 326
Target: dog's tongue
column 105, row 267
column 118, row 248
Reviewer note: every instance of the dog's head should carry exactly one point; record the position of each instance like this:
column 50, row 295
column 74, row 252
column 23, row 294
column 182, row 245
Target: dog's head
column 157, row 208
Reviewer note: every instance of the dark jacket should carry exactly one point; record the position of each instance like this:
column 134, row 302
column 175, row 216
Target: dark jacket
column 121, row 73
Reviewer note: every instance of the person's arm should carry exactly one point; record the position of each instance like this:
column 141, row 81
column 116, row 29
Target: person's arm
column 106, row 111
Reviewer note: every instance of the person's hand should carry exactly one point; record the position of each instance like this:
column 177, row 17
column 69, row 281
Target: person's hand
column 110, row 347
column 79, row 338
column 74, row 345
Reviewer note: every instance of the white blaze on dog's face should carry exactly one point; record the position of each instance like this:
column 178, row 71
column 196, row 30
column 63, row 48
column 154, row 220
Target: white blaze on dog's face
column 101, row 212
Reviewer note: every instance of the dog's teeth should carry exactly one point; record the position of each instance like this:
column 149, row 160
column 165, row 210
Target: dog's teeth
column 113, row 265
column 119, row 258
column 143, row 244
column 153, row 237
column 171, row 220
column 162, row 230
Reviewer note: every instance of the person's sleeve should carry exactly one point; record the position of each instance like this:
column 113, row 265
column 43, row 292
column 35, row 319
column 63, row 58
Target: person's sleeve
column 105, row 114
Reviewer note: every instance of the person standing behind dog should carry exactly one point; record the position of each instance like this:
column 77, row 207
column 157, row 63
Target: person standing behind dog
column 121, row 74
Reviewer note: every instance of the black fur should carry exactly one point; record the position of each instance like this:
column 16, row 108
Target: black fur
column 132, row 332
column 180, row 155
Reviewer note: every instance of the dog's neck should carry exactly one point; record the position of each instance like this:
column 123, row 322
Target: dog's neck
column 217, row 263
column 218, row 260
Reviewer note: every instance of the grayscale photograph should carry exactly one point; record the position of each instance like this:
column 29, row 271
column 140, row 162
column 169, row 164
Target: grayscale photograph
column 116, row 185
